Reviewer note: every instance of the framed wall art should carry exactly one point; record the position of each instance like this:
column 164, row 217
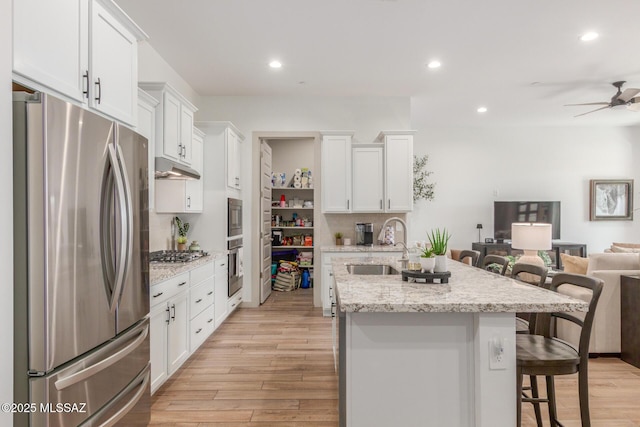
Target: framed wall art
column 611, row 199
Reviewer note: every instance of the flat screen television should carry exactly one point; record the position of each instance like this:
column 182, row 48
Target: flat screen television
column 506, row 213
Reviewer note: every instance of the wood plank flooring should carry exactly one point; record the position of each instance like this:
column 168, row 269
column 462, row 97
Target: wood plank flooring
column 273, row 366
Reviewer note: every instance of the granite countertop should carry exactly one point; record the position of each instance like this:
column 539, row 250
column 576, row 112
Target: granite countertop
column 161, row 271
column 470, row 289
column 361, row 248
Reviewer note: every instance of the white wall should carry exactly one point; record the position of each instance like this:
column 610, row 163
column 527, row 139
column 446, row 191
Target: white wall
column 472, row 165
column 6, row 214
column 367, row 116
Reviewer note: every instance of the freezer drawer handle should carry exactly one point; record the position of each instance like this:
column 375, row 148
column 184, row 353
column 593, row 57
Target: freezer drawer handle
column 143, row 380
column 82, row 375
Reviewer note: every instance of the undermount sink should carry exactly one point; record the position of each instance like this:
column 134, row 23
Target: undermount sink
column 371, row 269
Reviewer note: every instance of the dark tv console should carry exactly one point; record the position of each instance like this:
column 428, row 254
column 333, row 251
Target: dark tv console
column 576, row 249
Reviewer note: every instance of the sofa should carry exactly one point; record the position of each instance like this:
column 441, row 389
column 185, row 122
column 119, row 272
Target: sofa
column 608, row 266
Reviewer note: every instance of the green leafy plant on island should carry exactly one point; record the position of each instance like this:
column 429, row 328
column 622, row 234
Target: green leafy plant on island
column 427, row 253
column 421, row 188
column 183, row 229
column 439, row 240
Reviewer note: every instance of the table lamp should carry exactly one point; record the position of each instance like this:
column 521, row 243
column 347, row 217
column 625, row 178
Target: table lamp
column 531, row 238
column 479, row 227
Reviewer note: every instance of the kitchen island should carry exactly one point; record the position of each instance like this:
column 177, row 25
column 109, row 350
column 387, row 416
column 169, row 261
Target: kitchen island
column 418, row 354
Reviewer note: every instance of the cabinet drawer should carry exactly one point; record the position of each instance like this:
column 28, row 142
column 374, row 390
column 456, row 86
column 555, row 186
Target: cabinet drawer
column 201, row 273
column 234, row 301
column 201, row 327
column 163, row 291
column 201, row 297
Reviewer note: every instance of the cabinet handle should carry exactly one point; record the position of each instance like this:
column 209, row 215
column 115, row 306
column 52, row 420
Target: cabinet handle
column 347, row 204
column 233, row 305
column 99, row 85
column 210, row 293
column 183, row 151
column 198, row 331
column 168, row 315
column 85, row 79
column 198, row 300
column 189, row 201
column 380, row 203
column 389, row 203
column 210, row 320
column 182, row 283
column 158, row 294
column 173, row 316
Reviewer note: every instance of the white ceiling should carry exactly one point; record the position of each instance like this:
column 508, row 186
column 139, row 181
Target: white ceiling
column 523, row 59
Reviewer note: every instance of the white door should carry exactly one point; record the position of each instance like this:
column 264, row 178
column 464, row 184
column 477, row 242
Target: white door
column 265, row 228
column 178, row 332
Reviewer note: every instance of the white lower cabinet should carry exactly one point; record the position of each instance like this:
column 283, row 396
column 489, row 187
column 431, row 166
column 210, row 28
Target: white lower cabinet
column 221, row 291
column 183, row 315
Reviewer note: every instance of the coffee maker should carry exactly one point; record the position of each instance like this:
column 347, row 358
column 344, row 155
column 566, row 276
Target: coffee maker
column 364, row 233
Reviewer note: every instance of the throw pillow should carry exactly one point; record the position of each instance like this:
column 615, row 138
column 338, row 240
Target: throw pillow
column 626, row 245
column 623, row 249
column 574, row 264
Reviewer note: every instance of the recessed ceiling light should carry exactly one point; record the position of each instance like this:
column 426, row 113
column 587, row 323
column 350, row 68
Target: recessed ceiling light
column 434, row 64
column 587, row 37
column 482, row 109
column 275, row 64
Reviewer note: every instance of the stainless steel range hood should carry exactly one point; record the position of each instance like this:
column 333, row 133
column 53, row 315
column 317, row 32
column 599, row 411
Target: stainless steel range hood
column 168, row 169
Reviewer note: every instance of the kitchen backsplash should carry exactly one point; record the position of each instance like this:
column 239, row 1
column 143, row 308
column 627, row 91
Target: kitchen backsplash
column 346, row 224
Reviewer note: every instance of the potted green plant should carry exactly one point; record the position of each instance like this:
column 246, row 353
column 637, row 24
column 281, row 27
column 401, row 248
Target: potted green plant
column 439, row 240
column 338, row 237
column 427, row 260
column 183, row 229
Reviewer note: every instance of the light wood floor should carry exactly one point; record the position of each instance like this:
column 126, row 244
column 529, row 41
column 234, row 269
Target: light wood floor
column 273, row 366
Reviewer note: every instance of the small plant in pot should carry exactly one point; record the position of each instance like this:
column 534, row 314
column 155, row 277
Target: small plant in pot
column 439, row 240
column 183, row 229
column 427, row 260
column 338, row 237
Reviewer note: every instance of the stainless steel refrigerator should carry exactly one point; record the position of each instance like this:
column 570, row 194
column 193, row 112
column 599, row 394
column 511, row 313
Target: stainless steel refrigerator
column 81, row 267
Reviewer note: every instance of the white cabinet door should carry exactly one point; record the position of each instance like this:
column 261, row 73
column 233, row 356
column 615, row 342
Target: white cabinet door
column 113, row 66
column 158, row 342
column 186, row 134
column 233, row 159
column 399, row 173
column 336, row 173
column 146, row 127
column 50, row 44
column 327, row 280
column 221, row 292
column 367, row 179
column 195, row 187
column 171, row 146
column 178, row 331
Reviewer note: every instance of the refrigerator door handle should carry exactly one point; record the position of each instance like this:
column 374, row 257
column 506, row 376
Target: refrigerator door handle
column 141, row 381
column 128, row 218
column 124, row 233
column 82, row 375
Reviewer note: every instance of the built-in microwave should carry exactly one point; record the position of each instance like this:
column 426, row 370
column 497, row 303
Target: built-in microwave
column 234, row 224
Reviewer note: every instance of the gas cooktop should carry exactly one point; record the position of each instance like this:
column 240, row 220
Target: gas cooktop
column 175, row 256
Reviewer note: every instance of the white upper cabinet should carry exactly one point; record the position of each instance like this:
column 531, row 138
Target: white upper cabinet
column 86, row 50
column 174, row 122
column 368, row 173
column 398, row 184
column 336, row 172
column 234, row 158
column 147, row 128
column 183, row 195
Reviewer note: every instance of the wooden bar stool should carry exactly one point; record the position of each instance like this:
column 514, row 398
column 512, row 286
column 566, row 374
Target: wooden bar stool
column 502, row 262
column 543, row 354
column 534, row 275
column 469, row 253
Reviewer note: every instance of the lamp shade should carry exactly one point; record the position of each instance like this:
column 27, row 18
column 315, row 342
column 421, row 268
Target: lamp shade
column 531, row 236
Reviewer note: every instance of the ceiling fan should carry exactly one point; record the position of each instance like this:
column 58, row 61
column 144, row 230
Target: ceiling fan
column 627, row 98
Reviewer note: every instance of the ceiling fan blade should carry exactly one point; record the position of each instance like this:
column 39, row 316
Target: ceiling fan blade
column 628, row 94
column 634, row 104
column 588, row 103
column 592, row 111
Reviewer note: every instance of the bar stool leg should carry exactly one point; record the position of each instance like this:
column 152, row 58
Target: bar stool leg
column 583, row 391
column 533, row 380
column 519, row 395
column 551, row 395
